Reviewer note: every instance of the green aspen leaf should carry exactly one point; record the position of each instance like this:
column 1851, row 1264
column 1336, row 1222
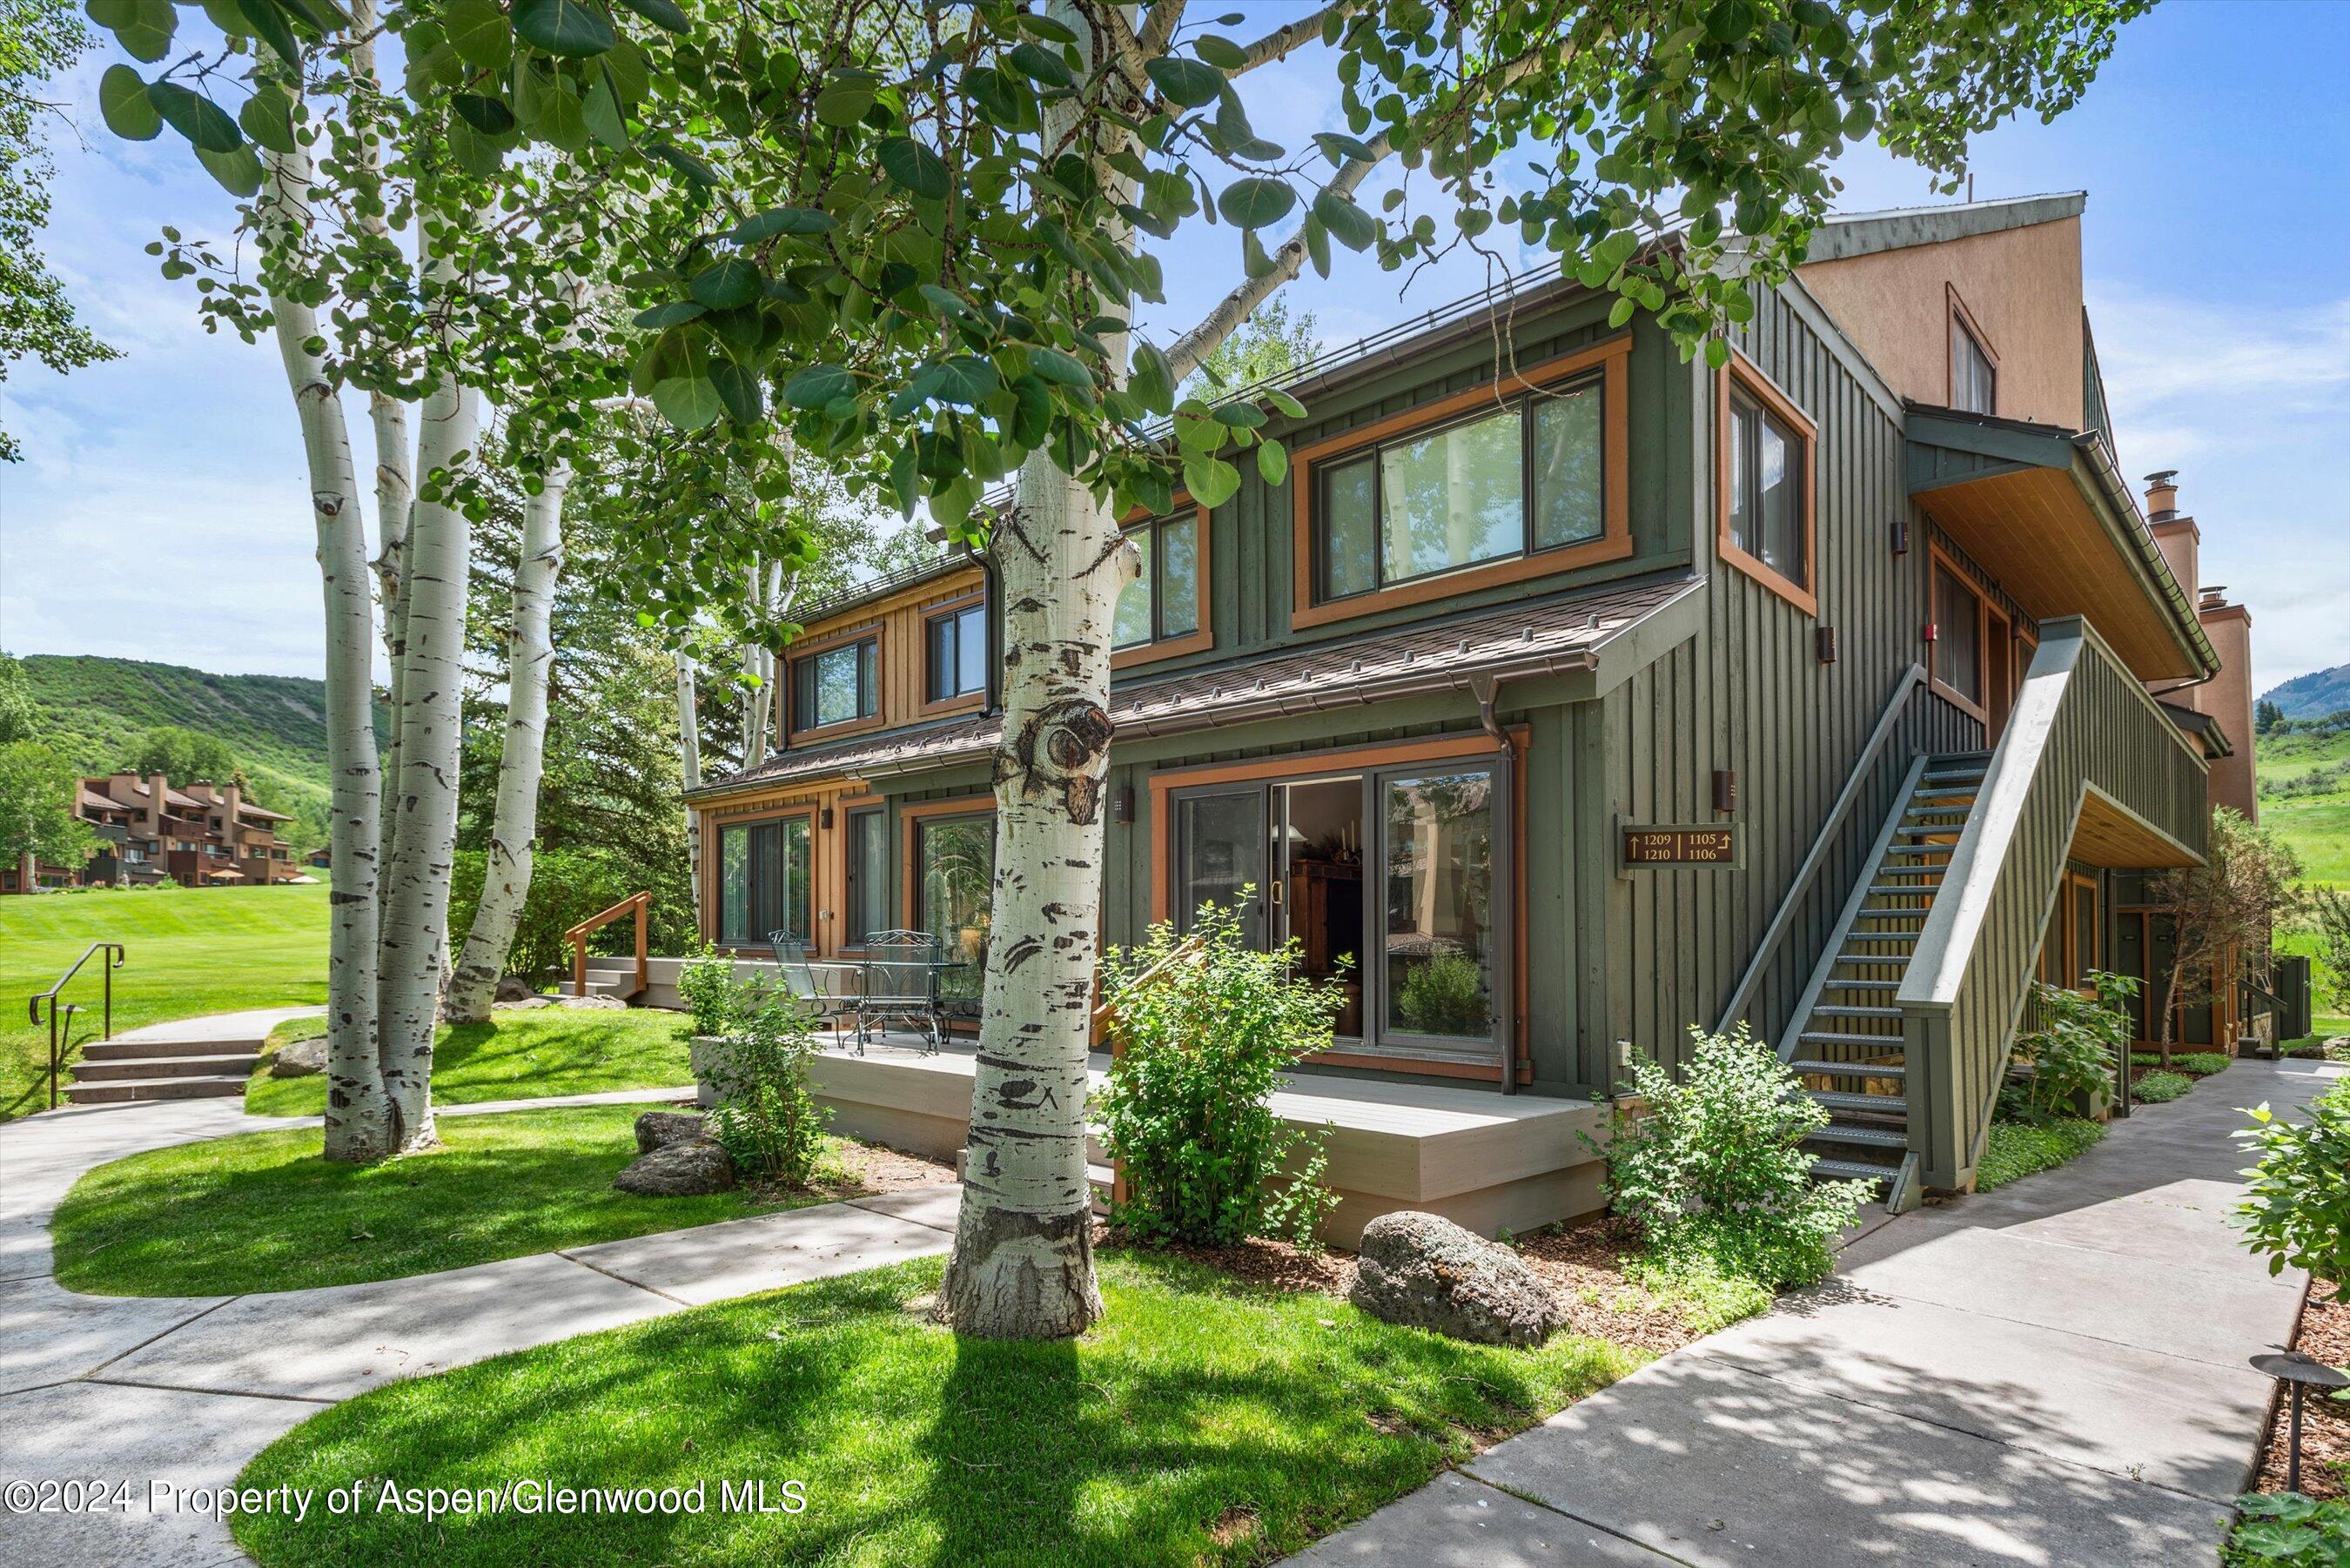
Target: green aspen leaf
column 1152, row 379
column 1284, row 405
column 239, row 173
column 1239, row 416
column 818, row 385
column 775, row 220
column 1342, row 150
column 661, row 13
column 968, row 379
column 845, row 98
column 669, row 314
column 490, row 116
column 1349, row 223
column 568, row 29
column 562, row 118
column 1210, row 480
column 122, row 100
column 1254, row 262
column 727, row 284
column 685, row 163
column 203, row 122
column 738, row 389
column 268, row 118
column 480, row 34
column 1318, row 243
column 784, row 291
column 1032, row 417
column 1041, row 64
column 906, row 478
column 1272, row 462
column 1730, row 20
column 601, row 110
column 1198, row 435
column 265, row 21
column 915, row 168
column 1717, row 352
column 688, row 402
column 625, row 68
column 143, row 27
column 1255, row 201
column 1194, row 84
column 475, row 153
column 1221, row 52
column 1621, row 311
column 742, row 330
column 1062, row 369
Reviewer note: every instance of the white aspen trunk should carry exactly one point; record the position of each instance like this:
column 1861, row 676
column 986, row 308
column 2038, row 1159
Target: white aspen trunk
column 689, row 766
column 513, row 830
column 430, row 683
column 358, row 1112
column 1022, row 1262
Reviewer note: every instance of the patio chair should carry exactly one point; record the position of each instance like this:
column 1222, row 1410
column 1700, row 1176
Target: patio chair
column 902, row 987
column 799, row 980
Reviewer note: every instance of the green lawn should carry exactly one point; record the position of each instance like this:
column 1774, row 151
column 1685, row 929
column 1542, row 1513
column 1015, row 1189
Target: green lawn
column 189, row 951
column 543, row 1052
column 2017, row 1149
column 263, row 1212
column 1201, row 1421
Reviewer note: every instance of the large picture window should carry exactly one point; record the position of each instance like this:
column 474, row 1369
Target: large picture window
column 957, row 652
column 1517, row 480
column 1764, row 477
column 954, row 890
column 837, row 686
column 763, row 881
column 1163, row 603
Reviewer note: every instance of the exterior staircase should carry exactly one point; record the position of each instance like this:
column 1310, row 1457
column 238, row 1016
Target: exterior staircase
column 1846, row 1040
column 111, row 1071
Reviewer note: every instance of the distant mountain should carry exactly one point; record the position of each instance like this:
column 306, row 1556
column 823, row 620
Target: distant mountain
column 2318, row 694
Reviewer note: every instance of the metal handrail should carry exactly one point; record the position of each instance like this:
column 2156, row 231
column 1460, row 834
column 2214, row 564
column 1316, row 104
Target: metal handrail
column 33, row 1005
column 577, row 937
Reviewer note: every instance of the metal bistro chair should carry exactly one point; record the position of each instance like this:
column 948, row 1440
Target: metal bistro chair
column 901, row 986
column 799, row 980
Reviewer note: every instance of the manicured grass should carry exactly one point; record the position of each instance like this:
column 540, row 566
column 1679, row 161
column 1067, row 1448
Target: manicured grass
column 2318, row 828
column 262, row 1211
column 1201, row 1421
column 516, row 1055
column 2160, row 1088
column 189, row 951
column 2017, row 1149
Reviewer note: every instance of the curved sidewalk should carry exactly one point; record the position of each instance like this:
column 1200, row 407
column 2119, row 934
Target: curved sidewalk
column 181, row 1391
column 2049, row 1376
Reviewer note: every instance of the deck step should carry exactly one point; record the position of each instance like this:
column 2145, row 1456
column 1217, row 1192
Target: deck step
column 1849, row 956
column 1835, row 985
column 1836, row 1038
column 140, row 1067
column 1860, row 1138
column 1871, row 1105
column 115, row 1090
column 1907, row 850
column 1849, row 1069
column 1855, row 1010
column 1850, row 1170
column 1903, row 890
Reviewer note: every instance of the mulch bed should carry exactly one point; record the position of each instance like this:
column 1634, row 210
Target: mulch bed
column 1271, row 1265
column 875, row 1168
column 2324, row 1423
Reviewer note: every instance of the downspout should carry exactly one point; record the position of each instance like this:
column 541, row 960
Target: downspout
column 1486, row 688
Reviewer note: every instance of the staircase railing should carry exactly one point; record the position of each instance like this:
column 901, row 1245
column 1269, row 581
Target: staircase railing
column 638, row 904
column 2084, row 735
column 56, row 1014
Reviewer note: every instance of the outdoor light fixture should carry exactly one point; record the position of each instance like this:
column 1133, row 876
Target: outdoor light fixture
column 1121, row 805
column 1901, row 535
column 824, row 817
column 1725, row 789
column 2301, row 1372
column 1824, row 640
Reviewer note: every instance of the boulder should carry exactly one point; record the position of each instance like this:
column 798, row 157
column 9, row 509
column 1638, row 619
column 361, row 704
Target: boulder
column 514, row 988
column 1424, row 1272
column 687, row 1170
column 299, row 1059
column 659, row 1129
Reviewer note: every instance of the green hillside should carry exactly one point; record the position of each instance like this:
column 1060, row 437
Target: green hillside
column 2304, row 783
column 2315, row 695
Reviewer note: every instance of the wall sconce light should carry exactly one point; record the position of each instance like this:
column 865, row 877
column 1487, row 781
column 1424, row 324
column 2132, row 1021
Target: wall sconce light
column 1901, row 535
column 1823, row 640
column 1121, row 805
column 824, row 816
column 1725, row 789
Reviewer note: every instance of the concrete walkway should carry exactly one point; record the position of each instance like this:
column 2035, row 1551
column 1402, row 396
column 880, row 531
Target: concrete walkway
column 181, row 1392
column 2051, row 1375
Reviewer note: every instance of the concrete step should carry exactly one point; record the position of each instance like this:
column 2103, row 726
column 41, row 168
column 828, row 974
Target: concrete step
column 145, row 1049
column 136, row 1068
column 117, row 1090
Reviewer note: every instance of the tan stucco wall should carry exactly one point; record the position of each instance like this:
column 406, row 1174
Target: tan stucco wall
column 2228, row 697
column 2181, row 543
column 2023, row 287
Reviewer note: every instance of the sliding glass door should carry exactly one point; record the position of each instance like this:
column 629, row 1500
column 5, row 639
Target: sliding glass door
column 1440, row 954
column 1220, row 844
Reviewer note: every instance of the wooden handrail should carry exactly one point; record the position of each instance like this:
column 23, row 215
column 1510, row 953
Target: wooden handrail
column 640, row 904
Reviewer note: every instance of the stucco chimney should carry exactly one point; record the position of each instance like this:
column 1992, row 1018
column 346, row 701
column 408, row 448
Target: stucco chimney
column 2174, row 530
column 2162, row 496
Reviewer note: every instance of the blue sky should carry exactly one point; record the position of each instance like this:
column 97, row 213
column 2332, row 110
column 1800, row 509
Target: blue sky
column 162, row 512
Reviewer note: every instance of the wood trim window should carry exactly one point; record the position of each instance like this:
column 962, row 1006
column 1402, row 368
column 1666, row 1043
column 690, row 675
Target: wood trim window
column 1766, row 487
column 837, row 686
column 947, row 882
column 1420, row 506
column 1974, row 367
column 954, row 652
column 864, row 872
column 763, row 879
column 1164, row 613
column 1958, row 657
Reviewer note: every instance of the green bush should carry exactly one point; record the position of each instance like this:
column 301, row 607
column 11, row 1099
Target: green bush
column 2200, row 1063
column 1445, row 994
column 765, row 1119
column 706, row 984
column 2296, row 1208
column 2160, row 1088
column 2079, row 1039
column 2286, row 1528
column 1187, row 1108
column 2016, row 1149
column 1714, row 1172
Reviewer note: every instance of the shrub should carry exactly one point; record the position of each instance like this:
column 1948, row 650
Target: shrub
column 2202, row 1064
column 2079, row 1039
column 2160, row 1088
column 706, row 982
column 2287, row 1528
column 1714, row 1172
column 2016, row 1149
column 1203, row 1038
column 1445, row 994
column 765, row 1119
column 2296, row 1207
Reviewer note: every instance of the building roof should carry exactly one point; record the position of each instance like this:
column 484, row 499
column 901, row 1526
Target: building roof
column 91, row 800
column 246, row 808
column 1848, row 234
column 1549, row 638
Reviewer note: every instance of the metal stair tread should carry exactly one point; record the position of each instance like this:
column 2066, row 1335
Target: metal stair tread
column 1847, row 1100
column 1871, row 1137
column 1838, row 1037
column 1830, row 1170
column 1850, row 1069
column 1854, row 1010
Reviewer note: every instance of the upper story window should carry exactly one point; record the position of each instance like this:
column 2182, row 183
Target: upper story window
column 1974, row 374
column 1956, row 654
column 957, row 652
column 1765, row 464
column 1163, row 603
column 1512, row 481
column 837, row 685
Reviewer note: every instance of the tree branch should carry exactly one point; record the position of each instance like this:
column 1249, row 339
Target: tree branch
column 1283, row 41
column 1159, row 27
